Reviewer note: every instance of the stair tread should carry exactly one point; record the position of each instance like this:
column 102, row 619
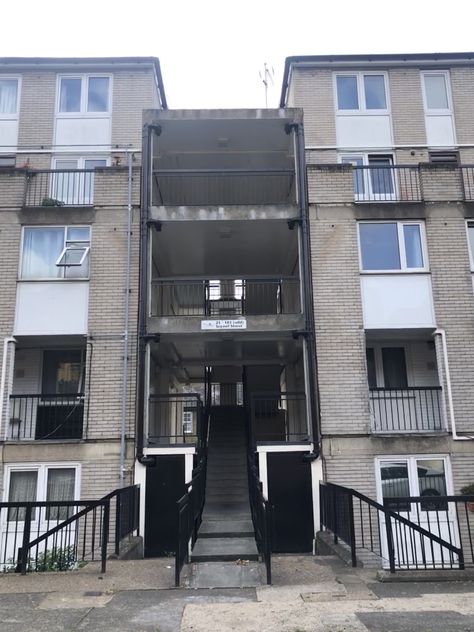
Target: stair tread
column 225, row 547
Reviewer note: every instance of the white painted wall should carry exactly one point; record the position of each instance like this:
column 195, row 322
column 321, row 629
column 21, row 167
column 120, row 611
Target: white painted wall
column 391, row 301
column 8, row 135
column 363, row 131
column 51, row 308
column 440, row 130
column 91, row 131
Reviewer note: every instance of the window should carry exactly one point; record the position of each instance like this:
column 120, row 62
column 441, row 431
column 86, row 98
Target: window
column 55, row 252
column 62, row 371
column 188, row 417
column 386, row 367
column 391, row 246
column 373, row 176
column 84, row 95
column 41, row 483
column 361, row 92
column 435, row 91
column 72, row 187
column 470, row 239
column 8, row 97
column 7, row 161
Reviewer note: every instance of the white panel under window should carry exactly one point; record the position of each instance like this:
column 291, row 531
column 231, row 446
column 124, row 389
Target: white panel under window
column 8, row 135
column 391, row 301
column 51, row 308
column 360, row 130
column 93, row 132
column 439, row 130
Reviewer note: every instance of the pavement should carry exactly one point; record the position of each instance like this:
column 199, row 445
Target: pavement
column 308, row 594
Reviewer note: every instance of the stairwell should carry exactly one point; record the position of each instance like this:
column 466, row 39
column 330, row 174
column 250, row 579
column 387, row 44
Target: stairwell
column 226, row 532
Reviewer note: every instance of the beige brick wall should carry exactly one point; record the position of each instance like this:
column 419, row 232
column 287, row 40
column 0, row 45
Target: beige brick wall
column 462, row 87
column 37, row 105
column 408, row 119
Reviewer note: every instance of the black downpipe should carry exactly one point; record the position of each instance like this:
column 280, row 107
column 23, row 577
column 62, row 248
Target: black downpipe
column 307, row 285
column 143, row 287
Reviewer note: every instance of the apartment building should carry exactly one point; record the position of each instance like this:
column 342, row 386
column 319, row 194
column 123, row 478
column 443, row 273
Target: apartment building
column 70, row 155
column 389, row 146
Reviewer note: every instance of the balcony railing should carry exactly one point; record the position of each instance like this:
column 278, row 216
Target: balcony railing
column 467, row 172
column 387, row 183
column 174, row 418
column 411, row 409
column 235, row 297
column 43, row 417
column 65, row 187
column 278, row 417
column 211, row 187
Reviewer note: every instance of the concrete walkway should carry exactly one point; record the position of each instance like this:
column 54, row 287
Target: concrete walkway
column 309, row 594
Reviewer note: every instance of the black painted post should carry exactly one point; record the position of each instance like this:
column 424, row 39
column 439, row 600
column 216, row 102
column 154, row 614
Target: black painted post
column 105, row 535
column 352, row 530
column 389, row 533
column 23, row 552
column 117, row 524
column 334, row 510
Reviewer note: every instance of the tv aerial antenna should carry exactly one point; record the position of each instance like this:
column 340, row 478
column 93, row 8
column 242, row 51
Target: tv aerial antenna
column 266, row 77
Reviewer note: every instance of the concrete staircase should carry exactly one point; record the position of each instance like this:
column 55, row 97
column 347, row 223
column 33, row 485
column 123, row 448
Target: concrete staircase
column 226, row 532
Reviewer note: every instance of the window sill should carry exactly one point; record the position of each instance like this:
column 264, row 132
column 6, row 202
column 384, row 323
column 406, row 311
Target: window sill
column 50, row 280
column 393, row 272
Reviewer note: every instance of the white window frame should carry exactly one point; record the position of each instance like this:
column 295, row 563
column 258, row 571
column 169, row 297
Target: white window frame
column 445, row 73
column 83, row 111
column 63, row 267
column 81, row 198
column 362, row 109
column 401, row 247
column 13, row 116
column 368, row 195
column 41, row 482
column 411, row 460
column 470, row 224
column 187, row 421
column 378, row 359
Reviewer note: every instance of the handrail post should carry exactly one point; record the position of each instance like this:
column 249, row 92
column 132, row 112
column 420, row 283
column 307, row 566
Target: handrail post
column 105, row 535
column 334, row 513
column 118, row 504
column 389, row 533
column 23, row 552
column 352, row 530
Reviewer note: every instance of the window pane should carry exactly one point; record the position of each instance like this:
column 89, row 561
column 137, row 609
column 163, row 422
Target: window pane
column 436, row 94
column 98, row 95
column 60, row 487
column 62, row 372
column 470, row 234
column 371, row 372
column 22, row 489
column 41, row 249
column 347, row 98
column 72, row 255
column 374, row 86
column 431, row 483
column 394, row 367
column 413, row 249
column 395, row 483
column 379, row 246
column 358, row 174
column 8, row 96
column 381, row 178
column 75, row 233
column 70, row 95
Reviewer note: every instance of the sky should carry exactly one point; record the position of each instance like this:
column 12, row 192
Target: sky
column 211, row 52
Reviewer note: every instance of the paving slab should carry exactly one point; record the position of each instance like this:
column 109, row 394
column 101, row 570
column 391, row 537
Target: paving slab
column 421, row 621
column 241, row 574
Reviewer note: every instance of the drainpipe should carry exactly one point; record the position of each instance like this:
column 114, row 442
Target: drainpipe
column 449, row 393
column 308, row 286
column 123, row 421
column 6, row 342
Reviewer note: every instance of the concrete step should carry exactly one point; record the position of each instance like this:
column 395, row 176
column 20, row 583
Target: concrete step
column 225, row 549
column 226, row 510
column 226, row 528
column 219, row 482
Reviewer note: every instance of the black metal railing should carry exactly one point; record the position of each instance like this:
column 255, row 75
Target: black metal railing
column 467, row 176
column 174, row 418
column 421, row 533
column 190, row 507
column 59, row 187
column 278, row 417
column 225, row 298
column 45, row 416
column 63, row 535
column 211, row 187
column 387, row 183
column 262, row 518
column 413, row 409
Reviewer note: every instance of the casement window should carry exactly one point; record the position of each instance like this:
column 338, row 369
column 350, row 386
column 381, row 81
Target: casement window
column 55, row 252
column 436, row 93
column 63, row 371
column 361, row 92
column 386, row 367
column 9, row 97
column 392, row 246
column 39, row 483
column 373, row 176
column 84, row 94
column 72, row 187
column 412, row 476
column 188, row 418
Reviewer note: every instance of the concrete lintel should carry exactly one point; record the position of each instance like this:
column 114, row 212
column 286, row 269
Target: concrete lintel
column 223, row 213
column 255, row 324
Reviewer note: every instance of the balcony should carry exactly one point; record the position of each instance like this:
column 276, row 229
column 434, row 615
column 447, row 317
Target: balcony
column 406, row 410
column 278, row 417
column 56, row 188
column 45, row 417
column 174, row 418
column 387, row 183
column 225, row 298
